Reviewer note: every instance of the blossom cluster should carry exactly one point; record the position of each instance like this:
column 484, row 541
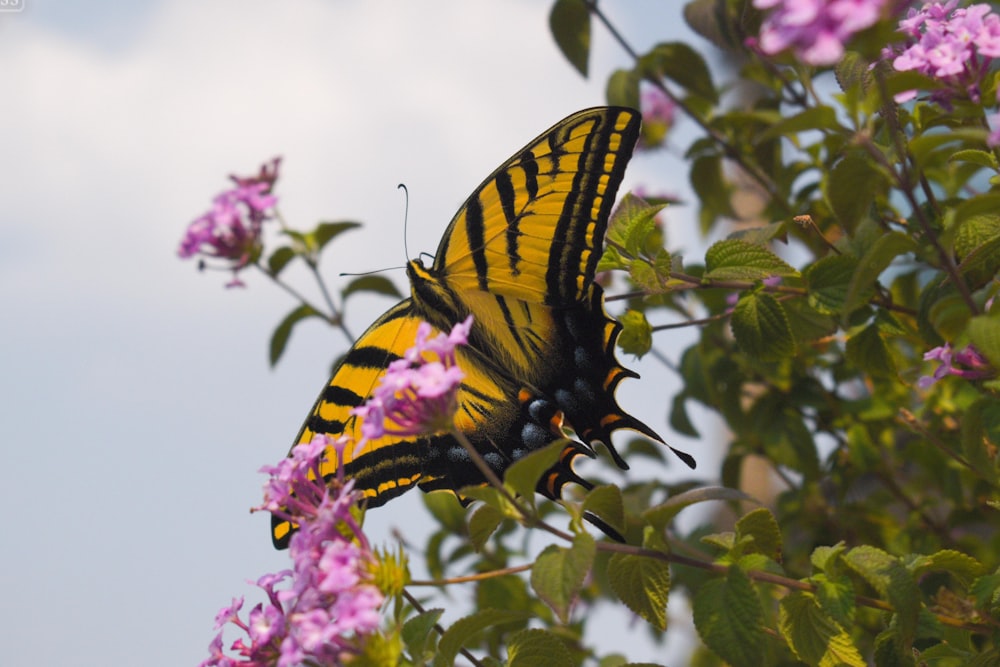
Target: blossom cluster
column 658, row 116
column 815, row 30
column 231, row 230
column 967, row 363
column 952, row 44
column 331, row 602
column 418, row 393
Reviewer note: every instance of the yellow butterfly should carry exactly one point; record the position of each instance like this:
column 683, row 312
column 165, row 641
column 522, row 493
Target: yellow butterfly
column 520, row 257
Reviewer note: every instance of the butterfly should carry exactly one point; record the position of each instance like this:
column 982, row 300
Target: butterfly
column 519, row 256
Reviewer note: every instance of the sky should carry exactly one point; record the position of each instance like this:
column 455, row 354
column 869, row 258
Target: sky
column 137, row 401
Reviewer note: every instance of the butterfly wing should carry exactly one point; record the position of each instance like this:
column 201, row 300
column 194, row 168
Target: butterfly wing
column 519, row 256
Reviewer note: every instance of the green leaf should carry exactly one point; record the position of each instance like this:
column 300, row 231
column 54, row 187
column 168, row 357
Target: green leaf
column 327, row 231
column 533, row 647
column 418, row 631
column 637, row 335
column 659, row 516
column 623, row 88
column 605, row 502
column 963, row 566
column 762, row 529
column 633, row 221
column 483, row 522
column 868, row 352
column 984, row 332
column 982, row 158
column 522, row 476
column 569, row 22
column 681, row 64
column 558, row 574
column 761, row 327
column 887, row 575
column 643, row 584
column 377, row 284
column 279, row 339
column 835, row 597
column 829, row 280
column 729, row 619
column 977, row 244
column 464, row 628
column 851, row 187
column 981, row 436
column 814, row 637
column 279, row 259
column 813, row 118
column 763, row 234
column 711, row 185
column 878, row 257
column 735, row 259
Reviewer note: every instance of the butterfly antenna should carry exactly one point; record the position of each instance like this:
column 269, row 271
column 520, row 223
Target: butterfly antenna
column 406, row 215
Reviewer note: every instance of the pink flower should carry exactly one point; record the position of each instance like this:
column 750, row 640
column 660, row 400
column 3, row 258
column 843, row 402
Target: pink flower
column 968, row 363
column 952, row 44
column 658, row 114
column 231, row 230
column 329, row 603
column 418, row 394
column 815, row 30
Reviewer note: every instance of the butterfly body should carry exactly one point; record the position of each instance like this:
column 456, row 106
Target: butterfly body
column 519, row 256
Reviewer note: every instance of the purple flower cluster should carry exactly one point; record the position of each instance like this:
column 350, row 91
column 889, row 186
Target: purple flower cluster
column 231, row 230
column 815, row 30
column 418, row 393
column 658, row 113
column 331, row 602
column 952, row 44
column 968, row 363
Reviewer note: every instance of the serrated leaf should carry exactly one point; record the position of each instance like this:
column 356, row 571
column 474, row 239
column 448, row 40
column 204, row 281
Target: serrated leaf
column 279, row 339
column 821, row 117
column 482, row 524
column 867, row 351
column 637, row 334
column 735, row 259
column 643, row 584
column 850, row 188
column 829, row 279
column 558, row 573
column 327, row 231
column 417, row 632
column 763, row 234
column 605, row 502
column 611, row 260
column 633, row 220
column 813, row 636
column 729, row 619
column 279, row 259
column 534, row 647
column 981, row 158
column 887, row 575
column 835, row 597
column 826, row 558
column 569, row 22
column 878, row 257
column 681, row 64
column 454, row 638
column 762, row 528
column 984, row 332
column 377, row 284
column 761, row 328
column 965, row 567
column 522, row 476
column 659, row 516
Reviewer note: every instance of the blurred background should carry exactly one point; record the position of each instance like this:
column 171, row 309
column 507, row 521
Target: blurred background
column 137, row 401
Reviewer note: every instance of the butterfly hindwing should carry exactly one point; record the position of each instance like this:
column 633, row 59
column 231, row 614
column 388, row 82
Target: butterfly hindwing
column 519, row 256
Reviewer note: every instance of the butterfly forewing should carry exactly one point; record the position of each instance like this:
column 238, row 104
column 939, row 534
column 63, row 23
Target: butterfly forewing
column 534, row 229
